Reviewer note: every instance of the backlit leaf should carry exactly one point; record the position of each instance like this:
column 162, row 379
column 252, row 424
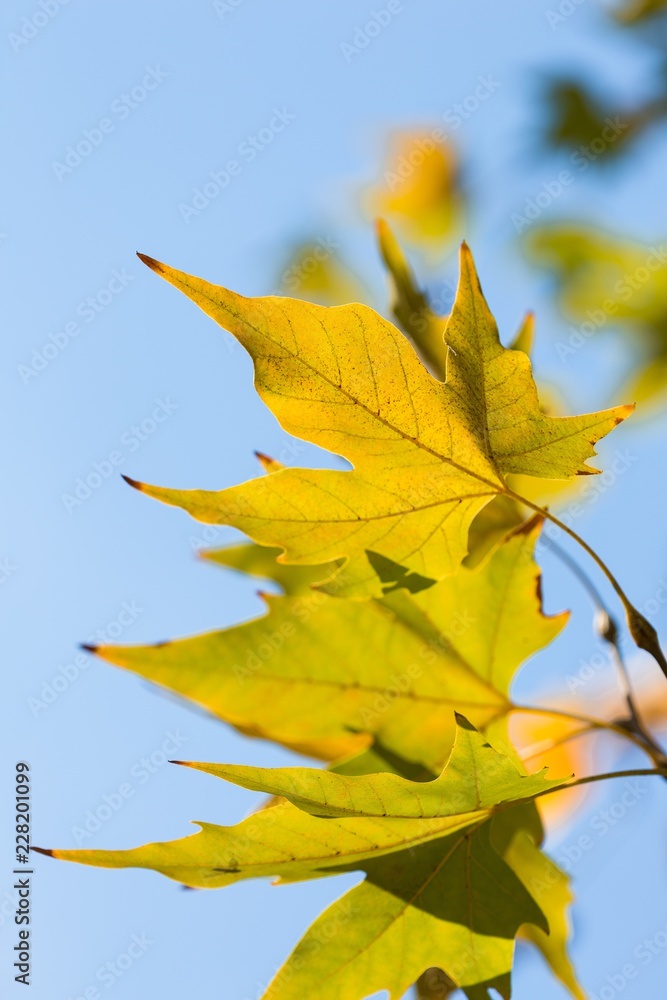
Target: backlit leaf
column 475, row 777
column 436, row 893
column 326, row 676
column 428, row 456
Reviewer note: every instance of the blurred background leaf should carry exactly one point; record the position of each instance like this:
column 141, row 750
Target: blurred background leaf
column 634, row 11
column 314, row 271
column 419, row 191
column 603, row 283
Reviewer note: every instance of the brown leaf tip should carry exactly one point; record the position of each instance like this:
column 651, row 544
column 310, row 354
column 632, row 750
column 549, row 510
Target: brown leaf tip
column 154, row 265
column 88, row 648
column 133, row 482
column 44, row 850
column 530, row 525
column 628, row 409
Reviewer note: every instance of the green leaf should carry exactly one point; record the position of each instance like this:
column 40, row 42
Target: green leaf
column 326, row 677
column 255, row 560
column 516, row 835
column 475, row 777
column 550, row 888
column 436, row 891
column 453, row 903
column 288, row 842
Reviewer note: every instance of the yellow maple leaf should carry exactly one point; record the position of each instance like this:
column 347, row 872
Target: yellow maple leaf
column 427, row 455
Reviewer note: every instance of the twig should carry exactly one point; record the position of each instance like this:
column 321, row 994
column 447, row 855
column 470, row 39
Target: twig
column 633, row 772
column 607, row 628
column 640, row 628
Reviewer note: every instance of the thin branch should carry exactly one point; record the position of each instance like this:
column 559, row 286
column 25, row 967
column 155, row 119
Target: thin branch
column 607, row 629
column 634, row 772
column 604, row 624
column 640, row 628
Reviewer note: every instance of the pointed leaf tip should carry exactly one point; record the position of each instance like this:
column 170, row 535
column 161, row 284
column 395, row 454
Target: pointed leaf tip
column 44, row 850
column 467, row 262
column 460, row 434
column 133, row 482
column 530, row 525
column 154, row 265
column 465, row 254
column 382, row 228
column 268, row 464
column 88, row 648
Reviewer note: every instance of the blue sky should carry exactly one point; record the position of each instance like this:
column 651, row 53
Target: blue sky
column 165, row 94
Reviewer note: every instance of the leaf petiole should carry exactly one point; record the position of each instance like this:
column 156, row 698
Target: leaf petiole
column 634, row 772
